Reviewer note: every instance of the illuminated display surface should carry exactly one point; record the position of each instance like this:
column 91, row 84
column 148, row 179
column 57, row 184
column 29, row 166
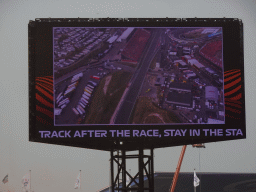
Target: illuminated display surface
column 138, row 76
column 151, row 86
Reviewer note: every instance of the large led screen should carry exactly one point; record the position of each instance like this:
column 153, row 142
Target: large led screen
column 114, row 76
column 121, row 83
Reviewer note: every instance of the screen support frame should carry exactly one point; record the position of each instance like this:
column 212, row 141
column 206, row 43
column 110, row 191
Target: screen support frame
column 147, row 167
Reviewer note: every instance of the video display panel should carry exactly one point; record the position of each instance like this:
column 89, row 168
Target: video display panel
column 99, row 84
column 121, row 76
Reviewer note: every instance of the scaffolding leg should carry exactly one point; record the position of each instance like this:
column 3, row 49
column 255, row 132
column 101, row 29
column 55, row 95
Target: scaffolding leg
column 145, row 165
column 141, row 175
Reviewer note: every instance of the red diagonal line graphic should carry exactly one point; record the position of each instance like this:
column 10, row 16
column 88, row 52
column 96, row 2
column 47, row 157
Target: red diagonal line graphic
column 233, row 110
column 233, row 101
column 231, row 70
column 44, row 111
column 47, row 79
column 237, row 97
column 227, row 74
column 233, row 104
column 232, row 77
column 46, row 82
column 233, row 91
column 42, row 100
column 44, row 92
column 232, row 83
column 50, row 77
column 48, row 88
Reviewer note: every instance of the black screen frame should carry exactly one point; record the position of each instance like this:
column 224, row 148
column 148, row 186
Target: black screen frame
column 40, row 65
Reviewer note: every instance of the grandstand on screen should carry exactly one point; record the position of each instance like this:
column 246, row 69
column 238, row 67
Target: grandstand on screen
column 217, row 182
column 126, row 35
column 213, row 52
column 135, row 46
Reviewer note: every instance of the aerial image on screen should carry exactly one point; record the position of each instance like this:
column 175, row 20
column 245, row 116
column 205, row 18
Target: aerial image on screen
column 138, row 75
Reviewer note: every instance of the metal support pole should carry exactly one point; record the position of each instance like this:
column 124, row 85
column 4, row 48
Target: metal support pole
column 152, row 170
column 110, row 176
column 141, row 176
column 123, row 171
column 150, row 173
column 118, row 170
column 112, row 171
column 200, row 172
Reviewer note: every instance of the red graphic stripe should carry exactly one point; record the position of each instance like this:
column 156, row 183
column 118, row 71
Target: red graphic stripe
column 43, row 101
column 233, row 104
column 46, row 77
column 44, row 92
column 232, row 70
column 230, row 73
column 233, row 110
column 232, row 101
column 232, row 83
column 233, row 91
column 42, row 120
column 232, row 77
column 45, row 87
column 44, row 111
column 46, row 82
column 237, row 97
column 48, row 87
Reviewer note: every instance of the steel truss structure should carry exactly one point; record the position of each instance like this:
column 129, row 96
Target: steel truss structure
column 145, row 172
